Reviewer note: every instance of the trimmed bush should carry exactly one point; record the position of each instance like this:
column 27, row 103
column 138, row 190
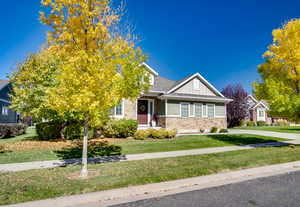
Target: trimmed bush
column 214, row 130
column 73, row 131
column 223, row 131
column 120, row 128
column 48, row 130
column 281, row 123
column 250, row 123
column 155, row 134
column 142, row 134
column 243, row 123
column 261, row 123
column 12, row 130
column 172, row 133
column 202, row 130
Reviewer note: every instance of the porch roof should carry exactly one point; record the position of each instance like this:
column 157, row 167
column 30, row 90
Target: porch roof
column 192, row 97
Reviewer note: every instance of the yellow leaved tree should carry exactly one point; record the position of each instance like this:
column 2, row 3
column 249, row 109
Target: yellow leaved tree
column 280, row 74
column 101, row 65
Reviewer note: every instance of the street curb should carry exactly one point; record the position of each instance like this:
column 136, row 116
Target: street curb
column 129, row 194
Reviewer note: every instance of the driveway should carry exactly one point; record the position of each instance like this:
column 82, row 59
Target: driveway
column 277, row 191
column 293, row 136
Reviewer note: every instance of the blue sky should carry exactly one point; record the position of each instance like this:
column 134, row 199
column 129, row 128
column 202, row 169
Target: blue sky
column 222, row 40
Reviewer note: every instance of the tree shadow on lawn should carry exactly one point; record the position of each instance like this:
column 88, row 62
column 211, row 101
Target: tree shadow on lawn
column 243, row 139
column 95, row 150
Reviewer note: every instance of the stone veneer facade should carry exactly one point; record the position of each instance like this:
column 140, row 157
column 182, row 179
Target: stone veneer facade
column 191, row 124
column 130, row 110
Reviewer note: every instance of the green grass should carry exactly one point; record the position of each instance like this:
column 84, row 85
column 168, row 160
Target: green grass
column 49, row 183
column 285, row 129
column 147, row 146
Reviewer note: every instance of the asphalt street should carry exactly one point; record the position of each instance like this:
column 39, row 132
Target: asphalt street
column 277, row 191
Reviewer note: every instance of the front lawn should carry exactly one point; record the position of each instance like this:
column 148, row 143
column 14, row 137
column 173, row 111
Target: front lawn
column 32, row 149
column 49, row 183
column 284, row 129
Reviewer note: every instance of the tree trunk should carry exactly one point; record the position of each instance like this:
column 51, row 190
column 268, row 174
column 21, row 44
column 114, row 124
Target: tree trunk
column 84, row 170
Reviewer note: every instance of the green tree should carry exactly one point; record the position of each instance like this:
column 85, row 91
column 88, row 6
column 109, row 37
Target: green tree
column 280, row 74
column 101, row 66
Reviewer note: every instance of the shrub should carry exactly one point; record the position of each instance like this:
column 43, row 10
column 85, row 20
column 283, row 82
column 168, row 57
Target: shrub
column 261, row 123
column 243, row 123
column 214, row 130
column 120, row 128
column 159, row 134
column 172, row 133
column 155, row 134
column 73, row 131
column 48, row 130
column 223, row 131
column 202, row 130
column 142, row 134
column 281, row 123
column 250, row 123
column 12, row 130
column 95, row 149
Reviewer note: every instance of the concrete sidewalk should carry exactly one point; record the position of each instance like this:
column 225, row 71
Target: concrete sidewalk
column 134, row 193
column 14, row 167
column 295, row 138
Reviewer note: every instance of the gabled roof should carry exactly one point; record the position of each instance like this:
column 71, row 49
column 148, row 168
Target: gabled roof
column 3, row 83
column 257, row 103
column 183, row 81
column 161, row 84
column 150, row 69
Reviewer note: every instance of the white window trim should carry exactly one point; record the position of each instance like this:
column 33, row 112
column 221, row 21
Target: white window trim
column 201, row 106
column 190, row 105
column 261, row 118
column 123, row 111
column 214, row 106
column 188, row 109
column 204, row 108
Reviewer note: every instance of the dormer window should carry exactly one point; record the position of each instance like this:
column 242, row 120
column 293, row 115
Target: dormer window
column 196, row 82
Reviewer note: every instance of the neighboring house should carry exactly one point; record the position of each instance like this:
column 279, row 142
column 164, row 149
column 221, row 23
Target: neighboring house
column 6, row 115
column 257, row 110
column 189, row 104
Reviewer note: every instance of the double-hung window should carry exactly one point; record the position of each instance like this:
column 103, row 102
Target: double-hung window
column 118, row 111
column 185, row 110
column 198, row 110
column 210, row 110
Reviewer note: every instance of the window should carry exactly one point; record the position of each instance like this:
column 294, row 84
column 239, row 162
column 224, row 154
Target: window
column 261, row 113
column 4, row 110
column 117, row 111
column 192, row 110
column 210, row 110
column 204, row 111
column 196, row 84
column 198, row 110
column 185, row 110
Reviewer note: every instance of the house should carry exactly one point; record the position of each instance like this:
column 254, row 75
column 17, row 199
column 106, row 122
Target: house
column 257, row 110
column 6, row 115
column 187, row 105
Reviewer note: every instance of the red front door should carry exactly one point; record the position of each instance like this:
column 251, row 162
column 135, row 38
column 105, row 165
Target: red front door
column 142, row 111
